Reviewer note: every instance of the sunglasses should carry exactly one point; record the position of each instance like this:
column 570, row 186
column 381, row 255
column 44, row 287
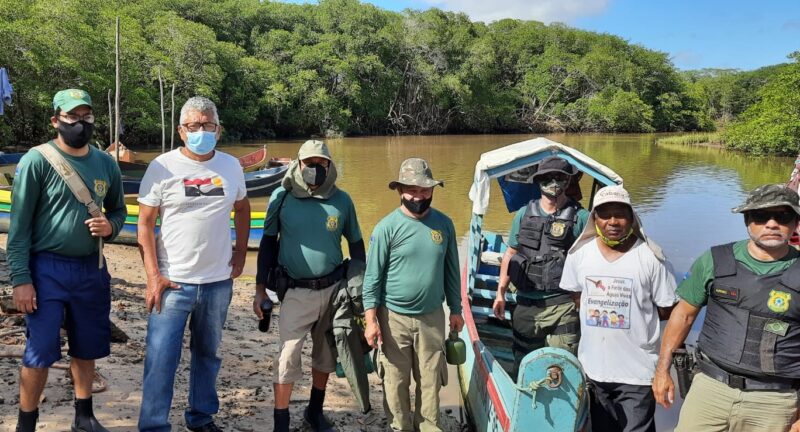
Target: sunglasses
column 782, row 217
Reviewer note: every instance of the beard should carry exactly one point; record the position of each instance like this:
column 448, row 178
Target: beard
column 769, row 243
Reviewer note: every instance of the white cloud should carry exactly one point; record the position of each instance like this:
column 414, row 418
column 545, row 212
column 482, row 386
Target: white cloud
column 546, row 11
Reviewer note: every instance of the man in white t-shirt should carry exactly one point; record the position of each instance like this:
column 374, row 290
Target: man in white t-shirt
column 190, row 266
column 626, row 287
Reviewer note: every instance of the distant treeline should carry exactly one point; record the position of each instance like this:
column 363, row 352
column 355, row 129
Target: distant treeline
column 346, row 68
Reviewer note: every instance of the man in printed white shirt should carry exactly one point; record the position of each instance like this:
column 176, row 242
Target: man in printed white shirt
column 626, row 287
column 190, row 266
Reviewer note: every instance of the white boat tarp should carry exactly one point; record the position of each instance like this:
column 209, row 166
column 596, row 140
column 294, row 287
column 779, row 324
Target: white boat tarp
column 479, row 192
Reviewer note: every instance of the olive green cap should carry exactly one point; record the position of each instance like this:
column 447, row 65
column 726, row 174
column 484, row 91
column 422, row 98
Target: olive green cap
column 69, row 99
column 415, row 172
column 313, row 148
column 770, row 195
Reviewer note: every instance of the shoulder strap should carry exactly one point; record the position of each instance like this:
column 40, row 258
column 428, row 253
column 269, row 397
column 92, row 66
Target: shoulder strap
column 724, row 261
column 70, row 177
column 532, row 209
column 791, row 277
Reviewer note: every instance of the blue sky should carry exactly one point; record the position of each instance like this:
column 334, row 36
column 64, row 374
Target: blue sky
column 696, row 34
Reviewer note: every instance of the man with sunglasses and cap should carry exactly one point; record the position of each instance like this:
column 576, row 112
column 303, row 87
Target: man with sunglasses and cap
column 618, row 270
column 301, row 258
column 748, row 352
column 53, row 253
column 412, row 268
column 541, row 233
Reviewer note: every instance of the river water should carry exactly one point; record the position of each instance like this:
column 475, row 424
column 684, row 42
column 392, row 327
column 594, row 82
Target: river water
column 682, row 193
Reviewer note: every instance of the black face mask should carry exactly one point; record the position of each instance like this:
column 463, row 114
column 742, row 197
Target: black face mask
column 314, row 174
column 75, row 135
column 417, row 207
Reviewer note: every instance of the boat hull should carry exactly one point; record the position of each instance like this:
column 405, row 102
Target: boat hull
column 128, row 233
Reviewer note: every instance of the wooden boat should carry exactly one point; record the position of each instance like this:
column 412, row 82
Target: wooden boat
column 128, row 233
column 10, row 158
column 263, row 182
column 125, row 154
column 549, row 392
column 255, row 160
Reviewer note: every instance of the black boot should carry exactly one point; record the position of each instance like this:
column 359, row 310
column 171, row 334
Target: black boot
column 26, row 420
column 313, row 413
column 281, row 420
column 84, row 417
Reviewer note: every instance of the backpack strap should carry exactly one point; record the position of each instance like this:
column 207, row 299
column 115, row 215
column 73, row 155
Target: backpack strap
column 75, row 184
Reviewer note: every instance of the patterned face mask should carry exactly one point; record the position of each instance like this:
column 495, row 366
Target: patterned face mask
column 553, row 188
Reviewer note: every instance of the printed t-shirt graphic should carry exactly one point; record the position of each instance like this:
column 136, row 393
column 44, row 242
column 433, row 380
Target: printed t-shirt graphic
column 608, row 301
column 206, row 186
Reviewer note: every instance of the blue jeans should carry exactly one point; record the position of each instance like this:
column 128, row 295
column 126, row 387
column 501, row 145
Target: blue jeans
column 206, row 307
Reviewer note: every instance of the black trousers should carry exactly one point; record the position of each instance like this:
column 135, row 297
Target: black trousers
column 622, row 407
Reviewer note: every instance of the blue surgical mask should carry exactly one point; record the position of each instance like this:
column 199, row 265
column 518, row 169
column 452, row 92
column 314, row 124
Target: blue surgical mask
column 201, row 142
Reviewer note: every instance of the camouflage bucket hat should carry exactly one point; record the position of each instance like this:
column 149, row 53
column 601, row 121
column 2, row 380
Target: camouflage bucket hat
column 415, row 172
column 770, row 195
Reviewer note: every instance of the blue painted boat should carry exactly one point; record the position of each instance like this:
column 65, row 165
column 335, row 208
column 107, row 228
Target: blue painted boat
column 549, row 392
column 10, row 158
column 128, row 233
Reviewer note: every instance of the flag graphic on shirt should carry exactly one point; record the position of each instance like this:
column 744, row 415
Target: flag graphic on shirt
column 208, row 186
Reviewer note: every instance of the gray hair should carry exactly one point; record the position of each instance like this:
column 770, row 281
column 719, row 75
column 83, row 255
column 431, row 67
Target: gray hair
column 199, row 104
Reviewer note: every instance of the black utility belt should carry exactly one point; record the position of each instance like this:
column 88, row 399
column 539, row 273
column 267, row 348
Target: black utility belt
column 320, row 283
column 545, row 302
column 740, row 382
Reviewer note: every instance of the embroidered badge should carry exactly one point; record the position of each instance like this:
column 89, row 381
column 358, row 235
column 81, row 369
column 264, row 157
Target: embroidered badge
column 557, row 228
column 333, row 223
column 778, row 301
column 436, row 236
column 779, row 328
column 100, row 188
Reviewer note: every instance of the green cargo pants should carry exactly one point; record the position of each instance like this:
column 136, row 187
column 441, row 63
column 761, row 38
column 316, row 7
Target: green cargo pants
column 538, row 326
column 413, row 345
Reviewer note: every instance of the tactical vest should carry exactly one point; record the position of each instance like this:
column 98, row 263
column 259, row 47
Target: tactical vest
column 543, row 242
column 752, row 324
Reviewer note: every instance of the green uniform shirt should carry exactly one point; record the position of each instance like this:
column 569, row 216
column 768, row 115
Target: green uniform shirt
column 311, row 231
column 412, row 265
column 46, row 216
column 694, row 289
column 577, row 229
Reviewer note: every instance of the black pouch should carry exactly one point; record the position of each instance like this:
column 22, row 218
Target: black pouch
column 281, row 283
column 518, row 272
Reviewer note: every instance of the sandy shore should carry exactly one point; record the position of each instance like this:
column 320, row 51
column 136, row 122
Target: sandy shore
column 244, row 385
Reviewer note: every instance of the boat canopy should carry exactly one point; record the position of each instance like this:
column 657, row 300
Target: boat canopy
column 514, row 166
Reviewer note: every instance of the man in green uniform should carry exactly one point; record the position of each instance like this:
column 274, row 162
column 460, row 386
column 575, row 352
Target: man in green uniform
column 750, row 341
column 53, row 257
column 411, row 269
column 311, row 215
column 540, row 236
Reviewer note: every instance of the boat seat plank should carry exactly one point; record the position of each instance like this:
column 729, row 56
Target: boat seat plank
column 491, row 294
column 487, row 311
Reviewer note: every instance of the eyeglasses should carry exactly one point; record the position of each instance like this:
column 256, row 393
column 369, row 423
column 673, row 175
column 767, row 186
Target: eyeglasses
column 762, row 216
column 194, row 127
column 74, row 118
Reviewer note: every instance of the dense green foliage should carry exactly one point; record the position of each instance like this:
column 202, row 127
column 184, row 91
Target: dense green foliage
column 339, row 67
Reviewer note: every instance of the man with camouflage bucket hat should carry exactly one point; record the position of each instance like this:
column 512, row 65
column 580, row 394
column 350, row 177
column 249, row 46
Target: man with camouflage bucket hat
column 748, row 348
column 301, row 258
column 412, row 266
